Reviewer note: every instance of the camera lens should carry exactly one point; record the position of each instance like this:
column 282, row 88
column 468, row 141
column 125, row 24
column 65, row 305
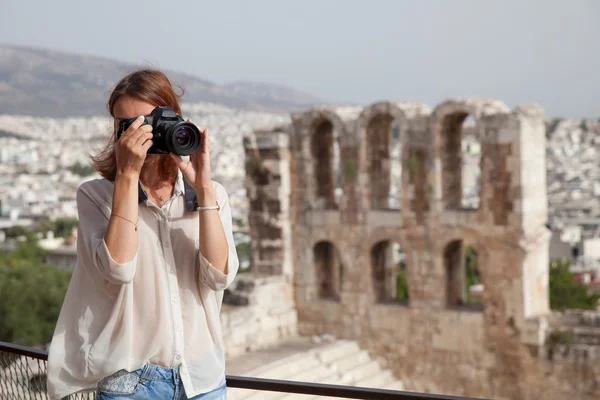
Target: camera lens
column 183, row 138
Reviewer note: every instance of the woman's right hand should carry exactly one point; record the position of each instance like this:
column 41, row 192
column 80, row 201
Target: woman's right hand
column 132, row 147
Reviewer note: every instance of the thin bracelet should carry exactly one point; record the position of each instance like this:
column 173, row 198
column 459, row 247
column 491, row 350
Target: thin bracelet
column 217, row 207
column 134, row 223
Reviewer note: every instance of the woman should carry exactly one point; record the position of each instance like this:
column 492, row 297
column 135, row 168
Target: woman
column 140, row 319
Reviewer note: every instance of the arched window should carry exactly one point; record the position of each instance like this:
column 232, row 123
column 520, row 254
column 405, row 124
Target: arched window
column 388, row 267
column 452, row 134
column 463, row 280
column 455, row 282
column 471, row 166
column 326, row 157
column 384, row 161
column 328, row 270
column 474, row 286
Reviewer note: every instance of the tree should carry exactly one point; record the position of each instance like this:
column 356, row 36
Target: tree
column 565, row 291
column 82, row 170
column 62, row 227
column 32, row 294
column 401, row 285
column 16, row 231
column 472, row 273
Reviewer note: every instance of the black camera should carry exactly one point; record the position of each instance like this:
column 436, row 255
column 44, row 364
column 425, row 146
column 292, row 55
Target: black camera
column 171, row 134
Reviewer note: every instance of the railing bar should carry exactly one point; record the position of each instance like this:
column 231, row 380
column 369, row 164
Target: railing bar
column 321, row 389
column 23, row 351
column 271, row 385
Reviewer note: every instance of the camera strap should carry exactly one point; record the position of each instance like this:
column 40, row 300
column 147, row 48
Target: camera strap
column 191, row 201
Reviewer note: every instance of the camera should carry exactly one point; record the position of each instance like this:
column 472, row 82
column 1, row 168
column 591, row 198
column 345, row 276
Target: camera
column 170, row 133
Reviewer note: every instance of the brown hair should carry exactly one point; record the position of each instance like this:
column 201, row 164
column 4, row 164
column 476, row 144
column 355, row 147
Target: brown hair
column 152, row 87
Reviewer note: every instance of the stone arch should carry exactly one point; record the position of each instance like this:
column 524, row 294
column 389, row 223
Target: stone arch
column 325, row 134
column 381, row 131
column 471, row 165
column 462, row 269
column 328, row 270
column 388, row 266
column 447, row 126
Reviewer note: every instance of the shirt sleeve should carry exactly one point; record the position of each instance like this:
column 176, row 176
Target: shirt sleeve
column 93, row 224
column 209, row 275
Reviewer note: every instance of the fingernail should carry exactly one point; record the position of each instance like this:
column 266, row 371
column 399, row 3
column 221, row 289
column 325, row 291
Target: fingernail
column 141, row 116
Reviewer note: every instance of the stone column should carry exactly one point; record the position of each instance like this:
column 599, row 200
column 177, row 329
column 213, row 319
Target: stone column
column 268, row 190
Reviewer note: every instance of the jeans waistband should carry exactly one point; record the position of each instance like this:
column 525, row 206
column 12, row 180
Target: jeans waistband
column 153, row 372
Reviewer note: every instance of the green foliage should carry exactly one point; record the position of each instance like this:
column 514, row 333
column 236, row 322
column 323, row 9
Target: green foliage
column 350, row 168
column 560, row 337
column 243, row 252
column 32, row 294
column 412, row 163
column 472, row 273
column 566, row 292
column 401, row 285
column 62, row 227
column 17, row 231
column 82, row 170
column 243, row 249
column 239, row 222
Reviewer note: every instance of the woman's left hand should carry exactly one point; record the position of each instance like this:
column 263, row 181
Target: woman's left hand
column 197, row 170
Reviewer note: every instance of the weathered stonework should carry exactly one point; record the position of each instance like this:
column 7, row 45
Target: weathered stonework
column 326, row 223
column 259, row 312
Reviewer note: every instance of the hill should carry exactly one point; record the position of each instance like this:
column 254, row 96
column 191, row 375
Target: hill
column 50, row 83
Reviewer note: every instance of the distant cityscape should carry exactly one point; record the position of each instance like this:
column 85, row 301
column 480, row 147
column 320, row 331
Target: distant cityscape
column 43, row 161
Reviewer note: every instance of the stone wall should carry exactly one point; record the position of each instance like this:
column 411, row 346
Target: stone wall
column 437, row 341
column 258, row 312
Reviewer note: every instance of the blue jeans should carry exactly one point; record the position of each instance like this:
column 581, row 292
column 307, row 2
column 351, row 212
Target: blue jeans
column 151, row 382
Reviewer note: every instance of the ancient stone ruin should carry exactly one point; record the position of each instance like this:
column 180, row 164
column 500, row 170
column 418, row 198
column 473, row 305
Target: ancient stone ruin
column 346, row 201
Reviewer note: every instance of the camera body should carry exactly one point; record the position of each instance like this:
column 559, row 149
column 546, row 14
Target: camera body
column 170, row 133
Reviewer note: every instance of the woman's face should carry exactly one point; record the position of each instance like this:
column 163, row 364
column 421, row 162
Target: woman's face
column 128, row 107
column 163, row 167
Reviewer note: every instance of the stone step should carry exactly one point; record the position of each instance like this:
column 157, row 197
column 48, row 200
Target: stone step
column 239, row 394
column 586, row 335
column 336, row 350
column 287, row 368
column 316, row 374
column 377, row 381
column 351, row 361
column 361, row 372
column 338, row 363
column 296, row 396
column 395, row 385
column 319, row 373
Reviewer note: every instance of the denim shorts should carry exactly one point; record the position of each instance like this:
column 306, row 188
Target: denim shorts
column 151, row 382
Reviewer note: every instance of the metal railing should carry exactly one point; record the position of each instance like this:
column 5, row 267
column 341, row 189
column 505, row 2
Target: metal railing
column 23, row 377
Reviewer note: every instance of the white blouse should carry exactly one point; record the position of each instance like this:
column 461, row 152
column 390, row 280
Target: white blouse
column 162, row 307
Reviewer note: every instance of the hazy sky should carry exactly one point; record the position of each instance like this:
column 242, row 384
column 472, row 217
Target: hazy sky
column 521, row 51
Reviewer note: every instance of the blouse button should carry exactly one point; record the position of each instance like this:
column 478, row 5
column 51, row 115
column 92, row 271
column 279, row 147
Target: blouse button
column 174, row 299
column 178, row 357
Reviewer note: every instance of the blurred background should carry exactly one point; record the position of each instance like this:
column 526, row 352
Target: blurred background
column 245, row 66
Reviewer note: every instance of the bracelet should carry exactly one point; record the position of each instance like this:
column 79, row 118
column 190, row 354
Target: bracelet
column 217, row 207
column 134, row 223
